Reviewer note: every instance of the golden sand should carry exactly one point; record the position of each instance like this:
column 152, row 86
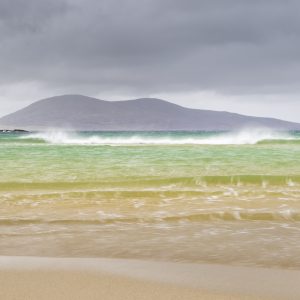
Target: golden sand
column 113, row 279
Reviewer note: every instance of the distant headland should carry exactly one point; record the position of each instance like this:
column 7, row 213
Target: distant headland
column 77, row 112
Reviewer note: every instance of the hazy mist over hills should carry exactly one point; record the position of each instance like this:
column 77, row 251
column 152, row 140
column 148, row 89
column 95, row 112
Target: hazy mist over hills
column 77, row 112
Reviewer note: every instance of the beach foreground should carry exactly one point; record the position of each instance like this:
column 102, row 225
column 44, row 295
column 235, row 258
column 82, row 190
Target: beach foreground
column 97, row 278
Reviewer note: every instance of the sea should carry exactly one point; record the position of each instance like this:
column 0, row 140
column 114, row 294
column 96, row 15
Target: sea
column 200, row 197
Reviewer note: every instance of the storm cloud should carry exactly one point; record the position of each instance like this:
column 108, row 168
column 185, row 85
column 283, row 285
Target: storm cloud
column 231, row 47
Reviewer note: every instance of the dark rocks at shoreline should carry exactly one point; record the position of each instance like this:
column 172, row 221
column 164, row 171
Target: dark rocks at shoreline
column 13, row 131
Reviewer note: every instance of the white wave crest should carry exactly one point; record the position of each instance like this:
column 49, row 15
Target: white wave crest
column 248, row 136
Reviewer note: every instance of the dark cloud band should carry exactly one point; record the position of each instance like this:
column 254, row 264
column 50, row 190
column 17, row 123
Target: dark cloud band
column 152, row 46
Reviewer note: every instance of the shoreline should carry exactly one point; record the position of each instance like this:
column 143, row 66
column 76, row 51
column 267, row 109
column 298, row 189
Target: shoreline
column 103, row 278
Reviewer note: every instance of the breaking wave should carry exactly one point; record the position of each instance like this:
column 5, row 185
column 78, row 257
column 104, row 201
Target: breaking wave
column 249, row 136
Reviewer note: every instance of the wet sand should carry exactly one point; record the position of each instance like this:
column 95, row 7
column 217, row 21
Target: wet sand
column 96, row 278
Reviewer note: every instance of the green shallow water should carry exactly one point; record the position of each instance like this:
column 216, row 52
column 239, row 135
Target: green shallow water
column 199, row 196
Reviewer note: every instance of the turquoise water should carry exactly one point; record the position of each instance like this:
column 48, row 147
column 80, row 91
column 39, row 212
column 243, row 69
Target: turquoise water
column 222, row 197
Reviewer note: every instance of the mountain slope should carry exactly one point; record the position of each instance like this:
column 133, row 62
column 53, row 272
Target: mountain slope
column 85, row 113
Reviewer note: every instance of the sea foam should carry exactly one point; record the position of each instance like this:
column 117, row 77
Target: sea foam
column 246, row 136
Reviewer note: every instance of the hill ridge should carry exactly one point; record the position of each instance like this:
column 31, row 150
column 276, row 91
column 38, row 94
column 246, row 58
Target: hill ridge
column 79, row 112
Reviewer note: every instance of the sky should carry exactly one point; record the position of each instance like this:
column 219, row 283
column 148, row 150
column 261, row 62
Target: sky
column 230, row 55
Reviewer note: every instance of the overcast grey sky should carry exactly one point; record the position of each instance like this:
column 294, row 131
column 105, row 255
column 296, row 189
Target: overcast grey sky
column 235, row 55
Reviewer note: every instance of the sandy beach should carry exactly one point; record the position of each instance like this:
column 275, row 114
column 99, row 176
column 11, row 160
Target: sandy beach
column 97, row 278
column 149, row 150
column 117, row 220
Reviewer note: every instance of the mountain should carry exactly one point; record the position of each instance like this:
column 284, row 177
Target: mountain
column 78, row 112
